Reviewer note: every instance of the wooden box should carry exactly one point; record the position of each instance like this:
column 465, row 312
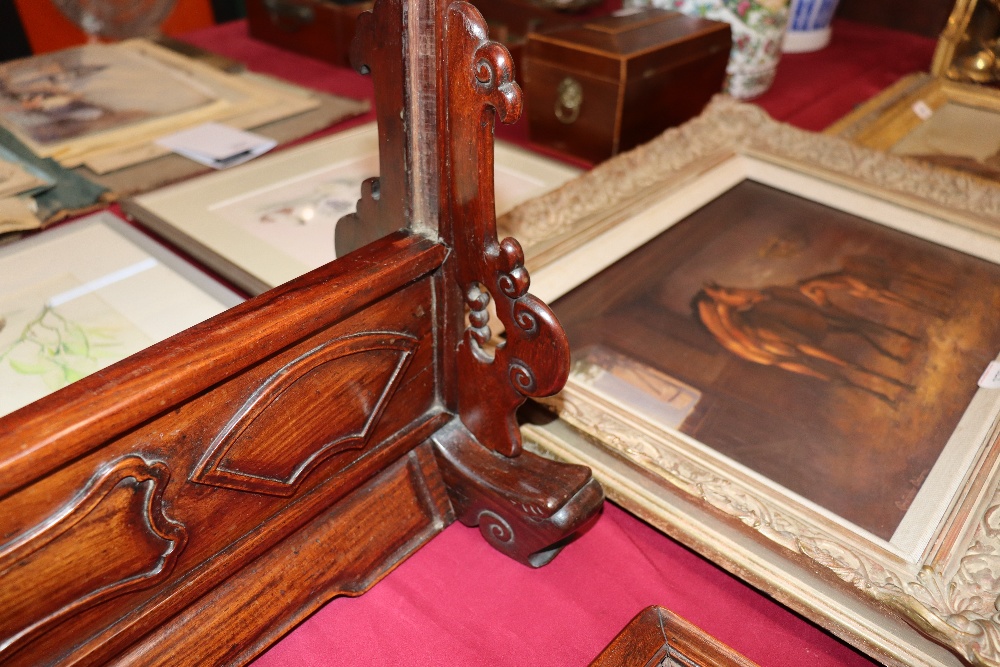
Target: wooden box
column 606, row 85
column 317, row 28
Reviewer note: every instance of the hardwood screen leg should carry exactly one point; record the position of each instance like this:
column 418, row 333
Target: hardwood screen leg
column 525, row 506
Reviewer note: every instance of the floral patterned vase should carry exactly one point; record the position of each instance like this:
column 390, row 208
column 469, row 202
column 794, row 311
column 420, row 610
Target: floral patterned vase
column 758, row 28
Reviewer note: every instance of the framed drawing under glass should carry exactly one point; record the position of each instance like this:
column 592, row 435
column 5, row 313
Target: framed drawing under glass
column 779, row 344
column 78, row 298
column 266, row 222
column 956, row 125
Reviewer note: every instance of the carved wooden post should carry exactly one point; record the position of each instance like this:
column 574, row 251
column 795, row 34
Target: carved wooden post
column 534, row 360
column 378, row 50
column 523, row 504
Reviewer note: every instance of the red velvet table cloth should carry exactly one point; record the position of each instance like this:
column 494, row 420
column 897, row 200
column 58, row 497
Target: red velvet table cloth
column 457, row 601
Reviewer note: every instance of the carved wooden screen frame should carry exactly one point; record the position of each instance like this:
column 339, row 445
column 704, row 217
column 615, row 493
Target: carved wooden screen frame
column 237, row 490
column 449, row 190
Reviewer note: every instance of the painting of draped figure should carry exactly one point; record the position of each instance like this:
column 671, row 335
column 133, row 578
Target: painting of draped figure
column 828, row 353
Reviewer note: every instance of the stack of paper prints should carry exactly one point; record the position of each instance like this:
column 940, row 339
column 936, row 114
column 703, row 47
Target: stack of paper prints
column 18, row 182
column 103, row 105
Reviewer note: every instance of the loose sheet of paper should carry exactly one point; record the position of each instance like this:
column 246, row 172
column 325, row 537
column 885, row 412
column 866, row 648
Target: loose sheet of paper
column 216, row 145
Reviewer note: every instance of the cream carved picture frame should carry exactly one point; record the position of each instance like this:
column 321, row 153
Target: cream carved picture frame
column 926, row 592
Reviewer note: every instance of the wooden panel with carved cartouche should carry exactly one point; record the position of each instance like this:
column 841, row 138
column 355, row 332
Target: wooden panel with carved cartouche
column 341, row 551
column 259, row 454
column 46, row 573
column 97, row 553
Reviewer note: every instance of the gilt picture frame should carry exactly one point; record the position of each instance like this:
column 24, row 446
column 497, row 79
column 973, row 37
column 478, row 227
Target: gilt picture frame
column 947, row 123
column 271, row 220
column 966, row 48
column 923, row 593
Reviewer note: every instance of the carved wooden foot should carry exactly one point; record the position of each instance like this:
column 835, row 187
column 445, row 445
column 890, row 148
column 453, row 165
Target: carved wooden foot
column 525, row 506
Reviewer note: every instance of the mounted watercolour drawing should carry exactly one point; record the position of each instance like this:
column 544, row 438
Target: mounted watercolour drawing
column 264, row 223
column 65, row 314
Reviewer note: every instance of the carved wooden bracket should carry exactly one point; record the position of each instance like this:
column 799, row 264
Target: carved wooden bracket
column 534, row 359
column 525, row 506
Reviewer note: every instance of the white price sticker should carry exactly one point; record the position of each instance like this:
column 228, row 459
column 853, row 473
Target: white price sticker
column 922, row 110
column 990, row 379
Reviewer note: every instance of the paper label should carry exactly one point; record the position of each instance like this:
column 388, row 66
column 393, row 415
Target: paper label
column 990, row 379
column 922, row 110
column 217, row 145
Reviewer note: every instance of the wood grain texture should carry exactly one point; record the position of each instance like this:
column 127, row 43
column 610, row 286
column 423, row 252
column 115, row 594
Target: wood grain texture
column 356, row 542
column 657, row 636
column 260, row 453
column 110, row 538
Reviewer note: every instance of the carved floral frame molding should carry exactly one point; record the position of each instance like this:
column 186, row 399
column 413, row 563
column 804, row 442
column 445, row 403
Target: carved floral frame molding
column 953, row 594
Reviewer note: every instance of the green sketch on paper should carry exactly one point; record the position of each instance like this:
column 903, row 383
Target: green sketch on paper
column 44, row 347
column 57, row 349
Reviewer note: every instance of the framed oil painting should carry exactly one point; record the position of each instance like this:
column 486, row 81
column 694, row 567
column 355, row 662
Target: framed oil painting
column 951, row 124
column 266, row 222
column 783, row 355
column 81, row 297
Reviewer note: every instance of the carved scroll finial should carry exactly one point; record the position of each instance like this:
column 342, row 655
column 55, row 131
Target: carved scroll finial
column 534, row 359
column 495, row 80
